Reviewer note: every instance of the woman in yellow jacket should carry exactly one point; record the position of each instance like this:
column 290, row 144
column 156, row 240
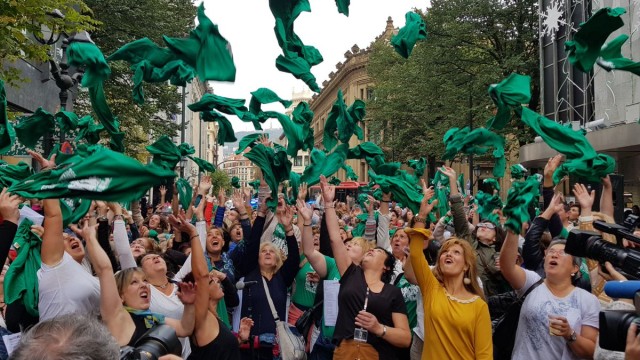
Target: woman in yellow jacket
column 456, row 317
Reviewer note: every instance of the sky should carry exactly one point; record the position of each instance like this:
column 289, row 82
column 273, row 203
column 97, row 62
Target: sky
column 248, row 26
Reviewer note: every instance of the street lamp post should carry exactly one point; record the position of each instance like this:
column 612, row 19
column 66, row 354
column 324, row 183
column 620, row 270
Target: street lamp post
column 60, row 70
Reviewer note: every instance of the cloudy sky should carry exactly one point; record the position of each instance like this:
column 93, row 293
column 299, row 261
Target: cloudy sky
column 248, row 26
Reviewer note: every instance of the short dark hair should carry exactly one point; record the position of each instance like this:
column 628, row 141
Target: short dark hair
column 69, row 337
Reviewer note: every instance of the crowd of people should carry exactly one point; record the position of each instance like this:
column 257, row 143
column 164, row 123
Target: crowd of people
column 404, row 287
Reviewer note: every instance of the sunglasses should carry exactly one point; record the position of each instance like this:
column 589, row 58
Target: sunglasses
column 487, row 226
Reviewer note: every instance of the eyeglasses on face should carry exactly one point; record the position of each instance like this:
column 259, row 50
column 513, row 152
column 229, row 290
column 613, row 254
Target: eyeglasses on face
column 486, row 225
column 558, row 252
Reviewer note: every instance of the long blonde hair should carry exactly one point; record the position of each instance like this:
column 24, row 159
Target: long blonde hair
column 469, row 260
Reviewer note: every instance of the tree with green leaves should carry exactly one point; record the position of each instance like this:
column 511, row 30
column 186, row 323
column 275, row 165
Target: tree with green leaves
column 470, row 45
column 20, row 20
column 124, row 21
column 220, row 180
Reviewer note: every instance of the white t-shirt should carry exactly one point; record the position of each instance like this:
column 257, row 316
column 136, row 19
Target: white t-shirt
column 67, row 288
column 533, row 340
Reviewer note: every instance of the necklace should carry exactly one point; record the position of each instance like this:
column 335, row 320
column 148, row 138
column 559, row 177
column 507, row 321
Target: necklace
column 161, row 286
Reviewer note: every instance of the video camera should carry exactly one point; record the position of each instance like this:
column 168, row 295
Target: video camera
column 590, row 244
column 158, row 341
column 614, row 324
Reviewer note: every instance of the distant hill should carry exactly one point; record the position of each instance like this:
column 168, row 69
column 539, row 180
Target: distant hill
column 229, row 148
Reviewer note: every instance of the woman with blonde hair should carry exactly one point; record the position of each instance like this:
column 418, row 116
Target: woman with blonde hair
column 278, row 274
column 456, row 317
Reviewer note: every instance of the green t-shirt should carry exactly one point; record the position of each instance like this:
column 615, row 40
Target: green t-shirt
column 305, row 290
column 410, row 294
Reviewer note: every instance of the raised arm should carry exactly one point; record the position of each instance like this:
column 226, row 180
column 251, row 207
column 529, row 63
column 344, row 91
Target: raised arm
column 290, row 267
column 315, row 258
column 343, row 261
column 112, row 312
column 548, row 189
column 460, row 222
column 606, row 198
column 423, row 275
column 203, row 329
column 384, row 218
column 511, row 271
column 52, row 248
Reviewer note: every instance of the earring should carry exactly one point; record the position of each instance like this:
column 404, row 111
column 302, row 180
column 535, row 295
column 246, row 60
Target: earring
column 574, row 274
column 466, row 281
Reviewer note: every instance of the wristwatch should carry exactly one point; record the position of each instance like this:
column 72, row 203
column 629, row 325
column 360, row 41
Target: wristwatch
column 572, row 338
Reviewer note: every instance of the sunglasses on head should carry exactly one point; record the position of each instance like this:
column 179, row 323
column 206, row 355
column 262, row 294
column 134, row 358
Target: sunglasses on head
column 486, row 225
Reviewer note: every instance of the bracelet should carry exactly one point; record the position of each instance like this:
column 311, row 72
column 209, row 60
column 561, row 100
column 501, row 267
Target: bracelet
column 194, row 236
column 385, row 200
column 585, row 219
column 200, row 219
column 384, row 331
column 418, row 219
column 330, row 206
column 306, row 224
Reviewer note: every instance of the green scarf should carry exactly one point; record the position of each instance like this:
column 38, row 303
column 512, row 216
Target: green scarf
column 522, row 194
column 205, row 50
column 486, row 204
column 418, row 165
column 584, row 48
column 7, row 133
column 414, row 29
column 296, row 58
column 343, row 120
column 510, row 94
column 30, row 129
column 235, row 182
column 104, row 175
column 21, row 280
column 12, row 174
column 185, row 193
column 324, row 164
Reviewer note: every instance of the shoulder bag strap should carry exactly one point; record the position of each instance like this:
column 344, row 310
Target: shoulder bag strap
column 530, row 289
column 273, row 308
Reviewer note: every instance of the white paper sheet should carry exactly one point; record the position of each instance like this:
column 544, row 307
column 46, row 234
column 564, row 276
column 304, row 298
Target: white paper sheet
column 330, row 305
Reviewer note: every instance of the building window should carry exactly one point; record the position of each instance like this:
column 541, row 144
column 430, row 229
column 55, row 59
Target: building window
column 369, row 94
column 297, row 161
column 361, row 94
column 306, row 161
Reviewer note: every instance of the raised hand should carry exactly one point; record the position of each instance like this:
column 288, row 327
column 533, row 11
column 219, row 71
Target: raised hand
column 181, row 223
column 9, row 206
column 205, row 185
column 450, row 173
column 284, row 214
column 304, row 210
column 550, row 168
column 302, row 192
column 427, row 192
column 163, row 190
column 264, row 140
column 222, row 199
column 236, row 198
column 584, row 198
column 328, row 191
column 44, row 163
column 369, row 204
column 187, row 293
